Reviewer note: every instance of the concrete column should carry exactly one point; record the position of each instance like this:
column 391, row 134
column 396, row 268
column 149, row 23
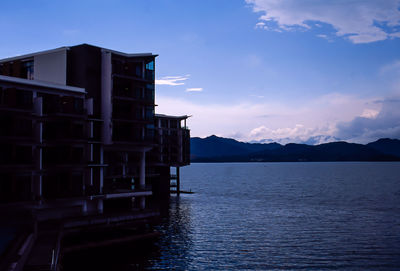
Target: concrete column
column 38, row 109
column 178, row 181
column 106, row 101
column 84, row 207
column 142, row 180
column 100, row 207
column 101, row 179
column 125, row 162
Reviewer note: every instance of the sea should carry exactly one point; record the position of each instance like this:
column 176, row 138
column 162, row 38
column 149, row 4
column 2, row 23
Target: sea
column 280, row 216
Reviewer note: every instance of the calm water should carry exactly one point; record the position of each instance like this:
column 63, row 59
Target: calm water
column 284, row 216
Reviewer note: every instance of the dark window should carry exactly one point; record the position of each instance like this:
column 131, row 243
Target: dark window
column 174, row 124
column 24, row 98
column 150, row 70
column 150, row 92
column 78, row 105
column 27, row 70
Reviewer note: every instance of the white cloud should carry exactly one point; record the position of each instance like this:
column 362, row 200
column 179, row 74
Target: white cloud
column 386, row 123
column 370, row 113
column 299, row 131
column 172, row 80
column 194, row 89
column 359, row 20
column 264, row 119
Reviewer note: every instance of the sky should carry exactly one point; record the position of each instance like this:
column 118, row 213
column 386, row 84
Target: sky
column 255, row 70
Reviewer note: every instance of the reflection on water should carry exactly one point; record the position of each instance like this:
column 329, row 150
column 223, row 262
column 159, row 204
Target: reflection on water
column 176, row 231
column 278, row 216
column 287, row 216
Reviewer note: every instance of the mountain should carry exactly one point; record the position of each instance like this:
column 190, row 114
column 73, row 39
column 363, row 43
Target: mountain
column 214, row 146
column 218, row 149
column 386, row 146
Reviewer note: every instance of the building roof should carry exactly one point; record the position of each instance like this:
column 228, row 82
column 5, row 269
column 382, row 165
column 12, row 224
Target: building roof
column 172, row 117
column 20, row 57
column 41, row 84
column 27, row 56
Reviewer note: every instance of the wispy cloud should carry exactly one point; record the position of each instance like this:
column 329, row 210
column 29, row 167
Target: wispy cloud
column 361, row 21
column 391, row 67
column 172, row 80
column 194, row 89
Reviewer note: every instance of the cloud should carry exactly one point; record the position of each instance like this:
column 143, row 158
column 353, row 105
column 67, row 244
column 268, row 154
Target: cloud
column 264, row 119
column 297, row 133
column 172, row 80
column 370, row 113
column 360, row 21
column 365, row 128
column 194, row 89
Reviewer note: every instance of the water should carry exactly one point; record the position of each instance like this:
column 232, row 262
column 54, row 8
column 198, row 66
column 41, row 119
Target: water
column 283, row 216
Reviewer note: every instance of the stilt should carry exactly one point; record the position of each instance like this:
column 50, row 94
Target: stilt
column 178, row 182
column 142, row 180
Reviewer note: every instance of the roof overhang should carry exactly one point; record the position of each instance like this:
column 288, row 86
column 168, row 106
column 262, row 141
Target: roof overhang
column 27, row 56
column 163, row 116
column 41, row 84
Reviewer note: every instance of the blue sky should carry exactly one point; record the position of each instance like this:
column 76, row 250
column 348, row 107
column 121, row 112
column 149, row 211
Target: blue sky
column 267, row 70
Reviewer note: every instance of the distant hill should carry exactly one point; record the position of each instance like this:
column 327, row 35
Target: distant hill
column 386, row 146
column 218, row 149
column 214, row 146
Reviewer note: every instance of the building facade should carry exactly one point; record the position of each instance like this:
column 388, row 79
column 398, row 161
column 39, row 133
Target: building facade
column 79, row 125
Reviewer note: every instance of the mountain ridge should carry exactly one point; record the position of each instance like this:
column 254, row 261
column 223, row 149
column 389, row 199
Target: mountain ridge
column 219, row 149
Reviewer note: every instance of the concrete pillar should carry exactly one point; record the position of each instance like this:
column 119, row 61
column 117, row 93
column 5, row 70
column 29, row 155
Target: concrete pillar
column 125, row 162
column 84, row 207
column 106, row 103
column 38, row 109
column 100, row 207
column 101, row 179
column 142, row 180
column 178, row 181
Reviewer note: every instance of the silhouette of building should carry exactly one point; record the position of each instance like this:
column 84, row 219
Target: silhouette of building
column 79, row 135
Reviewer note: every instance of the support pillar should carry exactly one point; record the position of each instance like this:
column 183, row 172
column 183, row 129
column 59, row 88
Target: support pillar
column 38, row 109
column 101, row 179
column 178, row 182
column 100, row 207
column 142, row 179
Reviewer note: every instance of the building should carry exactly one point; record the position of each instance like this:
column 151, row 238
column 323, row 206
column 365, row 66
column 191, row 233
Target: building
column 80, row 136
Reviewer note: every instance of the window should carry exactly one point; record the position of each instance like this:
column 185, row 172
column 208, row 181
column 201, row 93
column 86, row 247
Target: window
column 149, row 112
column 27, row 70
column 150, row 66
column 138, row 93
column 78, row 105
column 149, row 92
column 24, row 98
column 150, row 70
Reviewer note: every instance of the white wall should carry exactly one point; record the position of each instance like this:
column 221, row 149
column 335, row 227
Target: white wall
column 51, row 67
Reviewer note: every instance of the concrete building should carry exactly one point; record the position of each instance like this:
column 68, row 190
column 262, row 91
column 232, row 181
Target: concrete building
column 80, row 137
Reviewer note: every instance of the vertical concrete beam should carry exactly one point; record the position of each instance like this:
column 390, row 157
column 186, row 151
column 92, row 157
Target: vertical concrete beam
column 38, row 109
column 100, row 207
column 178, row 181
column 101, row 179
column 142, row 179
column 106, row 101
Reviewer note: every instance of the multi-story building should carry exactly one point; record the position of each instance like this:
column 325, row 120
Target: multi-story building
column 78, row 127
